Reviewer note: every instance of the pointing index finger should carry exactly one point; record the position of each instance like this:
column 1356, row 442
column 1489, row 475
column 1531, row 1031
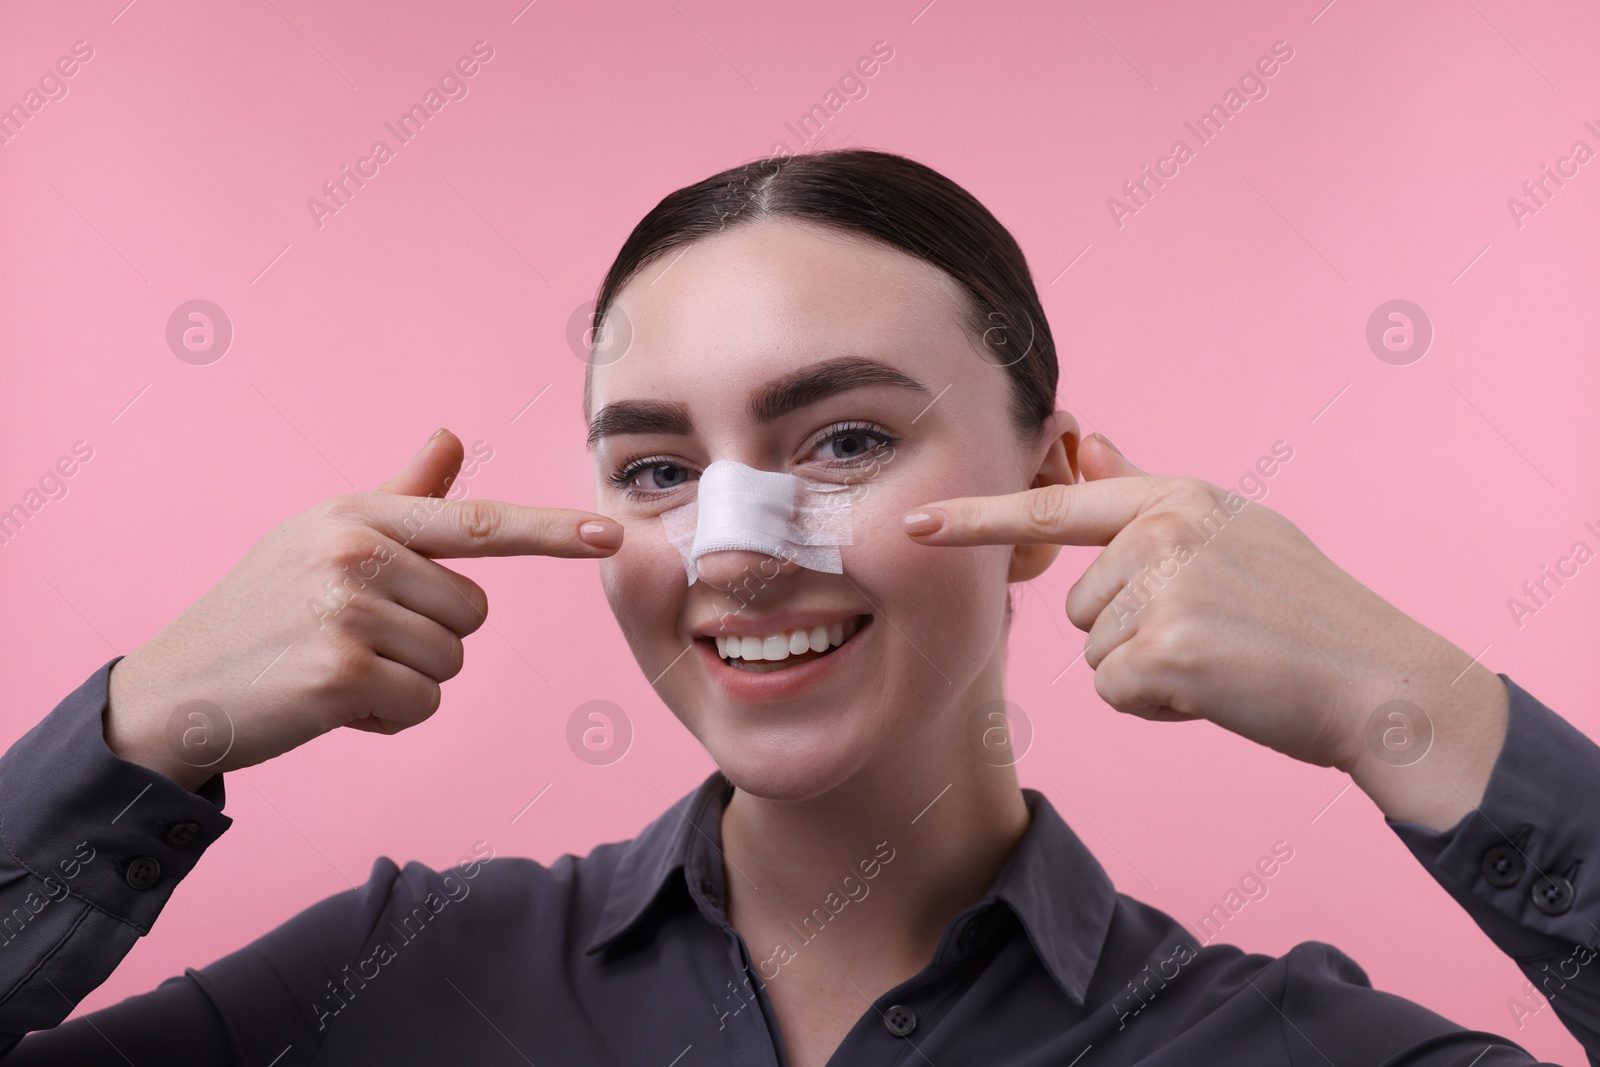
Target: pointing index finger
column 456, row 529
column 1086, row 513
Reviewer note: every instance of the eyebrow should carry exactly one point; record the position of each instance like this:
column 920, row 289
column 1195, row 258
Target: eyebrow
column 771, row 402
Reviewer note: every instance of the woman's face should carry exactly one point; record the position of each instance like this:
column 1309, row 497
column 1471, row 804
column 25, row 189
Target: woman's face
column 733, row 350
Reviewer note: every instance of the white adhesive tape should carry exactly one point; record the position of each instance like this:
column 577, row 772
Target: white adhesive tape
column 780, row 515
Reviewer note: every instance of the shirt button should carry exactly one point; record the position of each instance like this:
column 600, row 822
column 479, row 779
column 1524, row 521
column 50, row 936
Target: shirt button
column 143, row 872
column 1503, row 866
column 900, row 1020
column 1553, row 895
column 182, row 834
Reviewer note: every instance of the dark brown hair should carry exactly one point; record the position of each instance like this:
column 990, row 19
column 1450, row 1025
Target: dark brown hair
column 897, row 201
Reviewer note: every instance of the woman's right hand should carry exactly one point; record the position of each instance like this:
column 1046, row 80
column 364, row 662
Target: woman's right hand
column 337, row 617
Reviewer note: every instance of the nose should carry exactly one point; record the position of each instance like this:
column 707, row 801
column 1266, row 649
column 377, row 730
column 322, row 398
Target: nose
column 736, row 569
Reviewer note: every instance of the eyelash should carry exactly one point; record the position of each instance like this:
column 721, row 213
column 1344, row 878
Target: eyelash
column 632, row 468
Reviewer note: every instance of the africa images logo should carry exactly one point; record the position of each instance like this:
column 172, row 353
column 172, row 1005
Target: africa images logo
column 452, row 85
column 1211, row 123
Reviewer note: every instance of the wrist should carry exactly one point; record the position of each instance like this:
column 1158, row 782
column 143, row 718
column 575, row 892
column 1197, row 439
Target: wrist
column 1430, row 734
column 135, row 731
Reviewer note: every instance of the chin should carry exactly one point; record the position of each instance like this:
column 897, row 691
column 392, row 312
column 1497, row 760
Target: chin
column 789, row 769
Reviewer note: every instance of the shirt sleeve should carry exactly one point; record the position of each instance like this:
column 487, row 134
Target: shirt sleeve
column 1516, row 863
column 97, row 844
column 269, row 1002
column 91, row 847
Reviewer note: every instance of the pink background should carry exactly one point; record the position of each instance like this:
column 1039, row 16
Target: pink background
column 1228, row 314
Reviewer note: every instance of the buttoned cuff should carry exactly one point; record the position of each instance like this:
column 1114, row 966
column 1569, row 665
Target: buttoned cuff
column 1524, row 863
column 112, row 832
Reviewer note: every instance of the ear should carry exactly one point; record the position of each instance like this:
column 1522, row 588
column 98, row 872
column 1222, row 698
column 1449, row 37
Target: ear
column 1054, row 461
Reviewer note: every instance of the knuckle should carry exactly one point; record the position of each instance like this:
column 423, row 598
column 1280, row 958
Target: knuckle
column 377, row 724
column 347, row 546
column 475, row 595
column 456, row 658
column 1123, row 685
column 1165, row 647
column 1109, row 683
column 343, row 667
column 1197, row 493
column 1078, row 609
column 1162, row 531
column 343, row 595
column 477, row 521
column 429, row 695
column 1169, row 522
column 343, row 507
column 1093, row 655
column 468, row 603
column 361, row 613
column 1048, row 508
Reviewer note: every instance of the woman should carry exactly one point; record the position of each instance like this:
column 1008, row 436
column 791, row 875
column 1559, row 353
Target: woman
column 860, row 881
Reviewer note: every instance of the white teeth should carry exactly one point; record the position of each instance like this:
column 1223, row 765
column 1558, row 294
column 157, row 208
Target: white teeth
column 781, row 646
column 818, row 641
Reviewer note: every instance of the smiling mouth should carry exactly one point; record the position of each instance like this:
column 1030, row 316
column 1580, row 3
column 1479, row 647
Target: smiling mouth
column 776, row 652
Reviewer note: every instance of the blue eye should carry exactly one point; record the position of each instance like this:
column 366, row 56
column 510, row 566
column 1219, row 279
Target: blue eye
column 861, row 442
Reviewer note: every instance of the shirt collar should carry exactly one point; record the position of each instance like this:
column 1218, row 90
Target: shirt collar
column 652, row 861
column 1052, row 882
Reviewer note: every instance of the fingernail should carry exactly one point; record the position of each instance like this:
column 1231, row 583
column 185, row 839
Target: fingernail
column 1107, row 440
column 601, row 534
column 925, row 521
column 437, row 432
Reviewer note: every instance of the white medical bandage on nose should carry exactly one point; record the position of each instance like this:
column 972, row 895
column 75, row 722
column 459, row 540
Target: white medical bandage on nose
column 780, row 515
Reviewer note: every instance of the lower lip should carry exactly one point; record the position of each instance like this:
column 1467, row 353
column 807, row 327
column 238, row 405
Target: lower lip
column 779, row 685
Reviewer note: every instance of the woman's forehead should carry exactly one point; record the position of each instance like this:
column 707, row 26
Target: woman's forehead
column 765, row 297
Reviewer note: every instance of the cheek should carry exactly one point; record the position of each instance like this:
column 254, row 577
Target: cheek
column 642, row 580
column 947, row 602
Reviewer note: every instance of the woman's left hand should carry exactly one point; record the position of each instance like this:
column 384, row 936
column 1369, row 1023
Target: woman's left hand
column 1205, row 605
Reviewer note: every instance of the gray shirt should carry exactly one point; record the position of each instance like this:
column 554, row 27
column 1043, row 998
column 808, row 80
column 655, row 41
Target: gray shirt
column 625, row 955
